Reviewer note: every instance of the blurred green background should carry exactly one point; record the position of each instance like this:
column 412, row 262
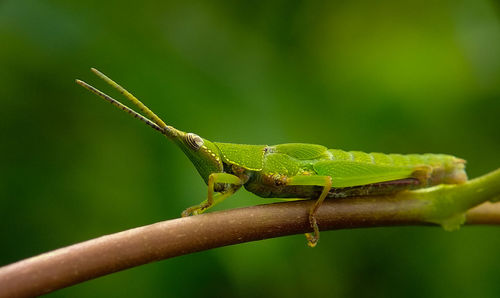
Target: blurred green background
column 412, row 77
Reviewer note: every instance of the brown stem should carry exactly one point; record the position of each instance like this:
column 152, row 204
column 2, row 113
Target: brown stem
column 107, row 254
column 484, row 214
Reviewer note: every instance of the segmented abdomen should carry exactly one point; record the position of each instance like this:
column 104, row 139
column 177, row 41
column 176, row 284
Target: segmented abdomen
column 439, row 168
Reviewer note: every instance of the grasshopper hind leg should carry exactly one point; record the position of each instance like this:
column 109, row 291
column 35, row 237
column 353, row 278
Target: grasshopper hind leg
column 326, row 183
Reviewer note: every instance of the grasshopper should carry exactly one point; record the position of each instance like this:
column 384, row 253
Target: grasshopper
column 295, row 170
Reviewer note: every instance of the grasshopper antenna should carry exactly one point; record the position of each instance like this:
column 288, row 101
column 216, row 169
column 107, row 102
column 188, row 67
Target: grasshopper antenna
column 150, row 119
column 121, row 106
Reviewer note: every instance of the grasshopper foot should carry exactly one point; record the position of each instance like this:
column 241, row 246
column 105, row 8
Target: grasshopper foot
column 312, row 238
column 195, row 210
column 187, row 212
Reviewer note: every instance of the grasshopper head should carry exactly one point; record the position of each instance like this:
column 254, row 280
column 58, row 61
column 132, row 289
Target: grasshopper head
column 203, row 154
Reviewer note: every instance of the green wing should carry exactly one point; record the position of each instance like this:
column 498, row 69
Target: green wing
column 346, row 173
column 250, row 157
column 300, row 151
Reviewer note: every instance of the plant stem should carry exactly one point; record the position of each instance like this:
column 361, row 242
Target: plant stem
column 97, row 257
column 447, row 204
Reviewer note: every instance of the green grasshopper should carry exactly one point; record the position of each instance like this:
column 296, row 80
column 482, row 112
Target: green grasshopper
column 301, row 171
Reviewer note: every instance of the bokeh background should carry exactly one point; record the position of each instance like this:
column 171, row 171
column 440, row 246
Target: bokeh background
column 383, row 76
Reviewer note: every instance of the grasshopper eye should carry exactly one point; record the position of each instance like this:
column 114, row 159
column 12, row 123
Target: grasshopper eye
column 194, row 141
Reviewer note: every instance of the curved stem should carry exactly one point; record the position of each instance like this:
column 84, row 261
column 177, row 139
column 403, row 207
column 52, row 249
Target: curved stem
column 97, row 257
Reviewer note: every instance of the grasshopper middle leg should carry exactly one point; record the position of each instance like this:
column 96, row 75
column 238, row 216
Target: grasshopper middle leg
column 326, row 183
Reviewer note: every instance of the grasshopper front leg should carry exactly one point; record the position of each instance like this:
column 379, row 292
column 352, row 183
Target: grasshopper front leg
column 326, row 183
column 212, row 199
